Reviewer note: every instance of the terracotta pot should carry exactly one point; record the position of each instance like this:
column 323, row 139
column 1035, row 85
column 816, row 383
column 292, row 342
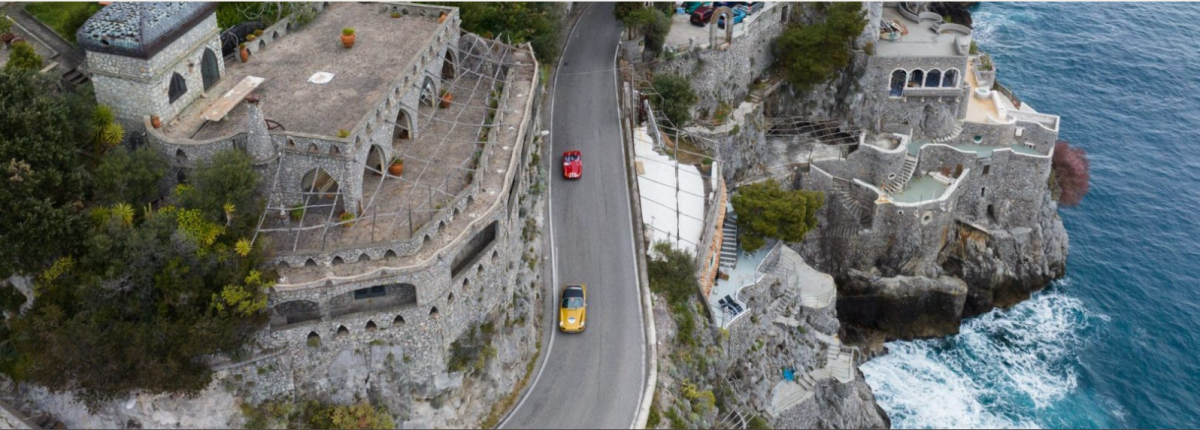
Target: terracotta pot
column 245, row 54
column 348, row 41
column 396, row 169
column 7, row 37
column 446, row 99
column 155, row 121
column 442, row 18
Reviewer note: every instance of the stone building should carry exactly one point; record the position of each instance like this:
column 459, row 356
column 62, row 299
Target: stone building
column 152, row 58
column 364, row 253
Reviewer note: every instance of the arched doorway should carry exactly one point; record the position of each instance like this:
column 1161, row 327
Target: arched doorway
column 210, row 70
column 429, row 92
column 916, row 79
column 950, row 79
column 318, row 183
column 403, row 126
column 448, row 65
column 376, row 160
column 897, row 86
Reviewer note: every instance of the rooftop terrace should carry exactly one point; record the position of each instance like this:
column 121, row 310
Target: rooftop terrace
column 919, row 37
column 383, row 47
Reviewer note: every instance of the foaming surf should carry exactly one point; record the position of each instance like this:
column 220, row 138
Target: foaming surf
column 1001, row 369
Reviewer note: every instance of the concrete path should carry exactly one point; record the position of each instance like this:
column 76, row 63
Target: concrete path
column 594, row 379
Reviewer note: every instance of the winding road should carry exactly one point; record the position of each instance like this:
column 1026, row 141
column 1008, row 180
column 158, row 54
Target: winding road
column 595, row 379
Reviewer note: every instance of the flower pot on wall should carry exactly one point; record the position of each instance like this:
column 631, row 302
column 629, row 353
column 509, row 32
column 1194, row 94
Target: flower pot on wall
column 155, row 121
column 245, row 54
column 396, row 169
column 446, row 99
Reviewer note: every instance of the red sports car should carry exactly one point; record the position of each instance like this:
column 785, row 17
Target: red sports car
column 572, row 165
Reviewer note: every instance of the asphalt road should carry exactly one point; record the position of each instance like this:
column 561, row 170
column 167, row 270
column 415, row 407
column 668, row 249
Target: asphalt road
column 593, row 379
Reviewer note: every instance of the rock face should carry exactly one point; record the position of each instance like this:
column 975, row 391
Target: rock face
column 904, row 307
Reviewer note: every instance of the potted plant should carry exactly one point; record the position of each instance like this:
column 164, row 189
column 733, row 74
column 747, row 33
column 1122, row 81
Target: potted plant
column 258, row 33
column 244, row 52
column 155, row 121
column 6, row 34
column 343, row 133
column 397, row 167
column 442, row 17
column 395, row 15
column 297, row 212
column 347, row 219
column 251, row 37
column 447, row 97
column 348, row 37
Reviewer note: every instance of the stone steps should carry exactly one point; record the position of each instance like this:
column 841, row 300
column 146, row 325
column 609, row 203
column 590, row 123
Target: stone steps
column 958, row 129
column 729, row 243
column 898, row 183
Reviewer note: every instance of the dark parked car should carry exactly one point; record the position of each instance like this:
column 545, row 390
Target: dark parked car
column 701, row 16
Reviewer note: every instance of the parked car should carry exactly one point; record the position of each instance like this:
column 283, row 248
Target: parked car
column 701, row 16
column 738, row 16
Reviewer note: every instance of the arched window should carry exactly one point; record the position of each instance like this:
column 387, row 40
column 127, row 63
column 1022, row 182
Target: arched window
column 933, row 79
column 177, row 89
column 210, row 70
column 950, row 79
column 897, row 86
column 916, row 79
column 448, row 66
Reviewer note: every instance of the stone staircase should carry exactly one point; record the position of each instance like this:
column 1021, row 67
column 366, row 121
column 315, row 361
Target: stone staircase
column 958, row 129
column 729, row 233
column 859, row 209
column 898, row 183
column 839, row 365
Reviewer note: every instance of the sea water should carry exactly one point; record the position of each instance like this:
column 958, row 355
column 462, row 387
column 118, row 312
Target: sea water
column 1116, row 342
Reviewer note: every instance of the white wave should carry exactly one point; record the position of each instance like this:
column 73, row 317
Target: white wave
column 1001, row 369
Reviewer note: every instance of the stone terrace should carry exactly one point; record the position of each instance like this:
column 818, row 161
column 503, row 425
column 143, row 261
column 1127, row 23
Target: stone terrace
column 362, row 75
column 499, row 159
column 919, row 42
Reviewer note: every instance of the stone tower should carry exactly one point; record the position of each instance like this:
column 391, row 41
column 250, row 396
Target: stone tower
column 152, row 58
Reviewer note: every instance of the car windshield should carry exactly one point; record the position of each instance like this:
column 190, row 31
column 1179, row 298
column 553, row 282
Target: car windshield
column 572, row 302
column 572, row 157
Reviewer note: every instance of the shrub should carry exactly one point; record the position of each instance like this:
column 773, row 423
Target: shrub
column 5, row 24
column 343, row 133
column 297, row 211
column 766, row 210
column 675, row 98
column 1070, row 173
column 21, row 56
column 347, row 31
column 672, row 273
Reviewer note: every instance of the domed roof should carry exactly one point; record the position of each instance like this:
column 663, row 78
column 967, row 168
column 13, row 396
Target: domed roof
column 140, row 30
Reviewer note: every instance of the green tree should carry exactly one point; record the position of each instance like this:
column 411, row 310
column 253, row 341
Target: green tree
column 41, row 184
column 766, row 210
column 129, row 176
column 672, row 273
column 226, row 179
column 360, row 415
column 21, row 56
column 812, row 54
column 652, row 24
column 534, row 22
column 675, row 98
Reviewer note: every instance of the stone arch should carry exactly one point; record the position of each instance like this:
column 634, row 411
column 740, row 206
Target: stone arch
column 362, row 258
column 495, row 255
column 433, row 311
column 391, row 253
column 310, row 263
column 210, row 69
column 916, row 78
column 449, row 65
column 291, row 144
column 896, row 88
column 318, row 182
column 180, row 156
column 342, row 331
column 337, row 261
column 933, row 78
column 177, row 88
column 274, row 35
column 312, row 147
column 333, row 150
column 313, row 337
column 371, row 326
column 295, row 311
column 466, row 283
column 399, row 320
column 950, row 78
column 262, row 44
column 450, row 298
column 429, row 92
column 441, row 226
column 376, row 161
column 403, row 127
column 712, row 26
column 426, row 240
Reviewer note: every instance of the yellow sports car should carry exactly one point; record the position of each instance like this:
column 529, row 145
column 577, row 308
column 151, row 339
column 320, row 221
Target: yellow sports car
column 572, row 314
